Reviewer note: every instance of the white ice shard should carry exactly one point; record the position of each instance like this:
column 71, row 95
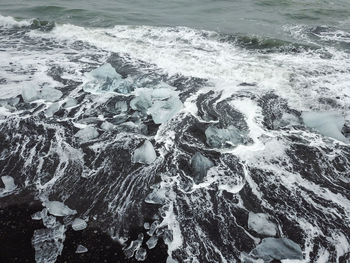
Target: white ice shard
column 81, row 249
column 134, row 246
column 70, row 102
column 50, row 94
column 144, row 154
column 152, row 242
column 59, row 209
column 48, row 243
column 277, row 248
column 9, row 183
column 162, row 103
column 52, row 109
column 107, row 126
column 79, row 224
column 106, row 79
column 220, row 138
column 87, row 133
column 121, row 106
column 200, row 166
column 30, row 93
column 261, row 224
column 326, row 123
column 141, row 254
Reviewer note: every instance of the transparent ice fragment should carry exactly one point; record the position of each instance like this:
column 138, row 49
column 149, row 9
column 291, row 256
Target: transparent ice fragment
column 107, row 126
column 277, row 248
column 48, row 243
column 134, row 246
column 52, row 109
column 9, row 183
column 121, row 106
column 145, row 153
column 59, row 209
column 87, row 133
column 141, row 254
column 220, row 138
column 152, row 242
column 261, row 224
column 50, row 94
column 81, row 249
column 29, row 93
column 79, row 224
column 200, row 165
column 70, row 102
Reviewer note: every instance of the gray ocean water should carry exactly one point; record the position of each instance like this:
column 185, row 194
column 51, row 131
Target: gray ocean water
column 262, row 17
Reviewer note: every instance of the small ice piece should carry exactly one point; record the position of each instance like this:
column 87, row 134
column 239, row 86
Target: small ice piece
column 153, row 228
column 121, row 106
column 59, row 209
column 52, row 109
column 277, row 248
column 36, row 216
column 81, row 249
column 87, row 133
column 9, row 183
column 70, row 102
column 141, row 254
column 326, row 123
column 107, row 126
column 152, row 242
column 48, row 243
column 134, row 246
column 144, row 154
column 143, row 100
column 220, row 138
column 29, row 94
column 79, row 224
column 104, row 72
column 261, row 224
column 146, row 225
column 50, row 94
column 200, row 165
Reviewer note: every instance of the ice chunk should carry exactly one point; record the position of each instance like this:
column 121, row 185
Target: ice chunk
column 29, row 94
column 70, row 102
column 52, row 109
column 81, row 249
column 107, row 126
column 277, row 248
column 121, row 106
column 200, row 165
column 152, row 242
column 146, row 225
column 59, row 209
column 87, row 133
column 141, row 254
column 326, row 123
column 261, row 224
column 105, row 78
column 220, row 138
column 9, row 183
column 79, row 224
column 144, row 154
column 50, row 94
column 48, row 243
column 134, row 246
column 162, row 104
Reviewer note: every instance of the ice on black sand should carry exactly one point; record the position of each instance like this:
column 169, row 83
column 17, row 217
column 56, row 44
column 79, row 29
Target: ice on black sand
column 144, row 154
column 79, row 224
column 261, row 224
column 87, row 133
column 59, row 209
column 81, row 249
column 277, row 248
column 200, row 166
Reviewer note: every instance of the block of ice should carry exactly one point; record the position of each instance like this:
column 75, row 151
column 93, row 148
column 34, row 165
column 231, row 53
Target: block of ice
column 81, row 249
column 50, row 94
column 220, row 138
column 79, row 224
column 70, row 102
column 9, row 183
column 48, row 243
column 107, row 126
column 200, row 166
column 52, row 109
column 326, row 123
column 152, row 242
column 141, row 254
column 144, row 154
column 277, row 248
column 143, row 100
column 58, row 208
column 134, row 246
column 261, row 224
column 87, row 133
column 105, row 78
column 163, row 110
column 29, row 93
column 121, row 106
